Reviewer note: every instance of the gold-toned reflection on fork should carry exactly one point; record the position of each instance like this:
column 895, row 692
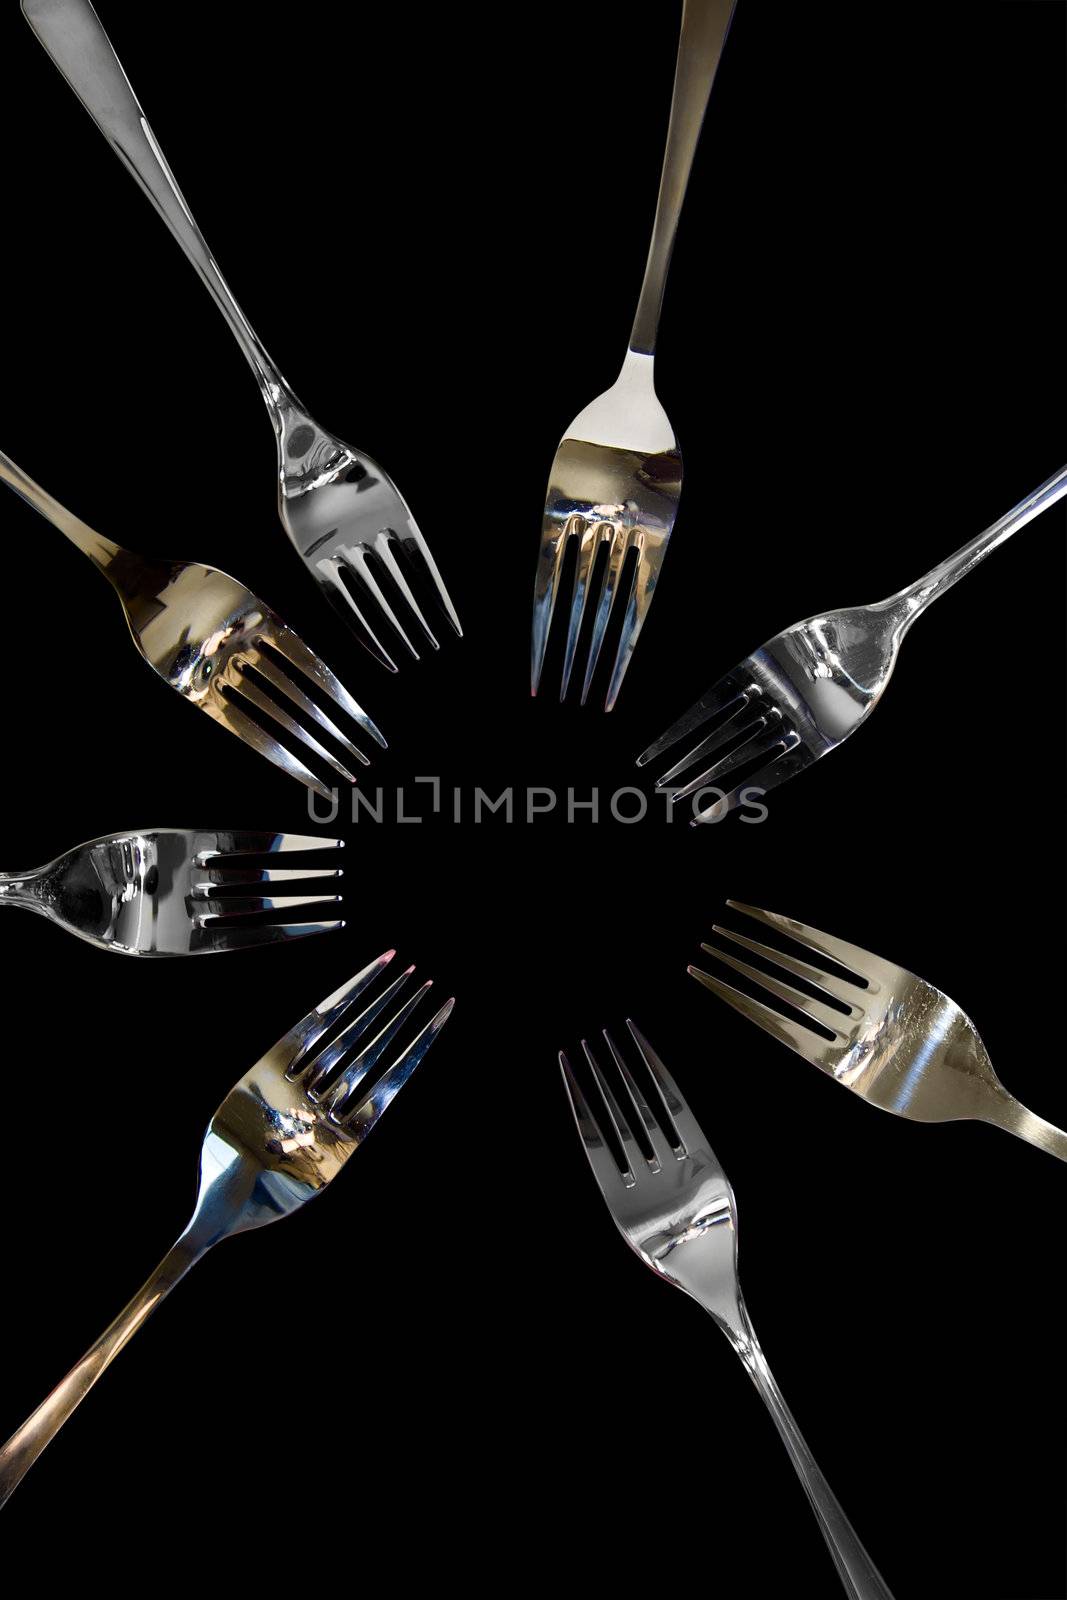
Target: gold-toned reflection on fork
column 221, row 648
column 890, row 1037
column 284, row 1132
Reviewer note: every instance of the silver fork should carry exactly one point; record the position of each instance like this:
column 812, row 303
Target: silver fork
column 804, row 691
column 895, row 1039
column 617, row 475
column 343, row 513
column 156, row 892
column 674, row 1206
column 281, row 1135
column 218, row 645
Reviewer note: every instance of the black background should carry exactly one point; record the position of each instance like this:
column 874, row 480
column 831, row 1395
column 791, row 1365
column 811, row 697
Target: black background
column 438, row 222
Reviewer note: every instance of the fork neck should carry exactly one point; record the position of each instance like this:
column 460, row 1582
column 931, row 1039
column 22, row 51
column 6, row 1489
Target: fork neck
column 914, row 600
column 21, row 889
column 705, row 24
column 1004, row 1111
column 101, row 552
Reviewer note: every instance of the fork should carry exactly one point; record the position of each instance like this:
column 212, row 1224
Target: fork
column 804, row 691
column 222, row 649
column 895, row 1039
column 674, row 1206
column 281, row 1135
column 617, row 474
column 342, row 512
column 156, row 893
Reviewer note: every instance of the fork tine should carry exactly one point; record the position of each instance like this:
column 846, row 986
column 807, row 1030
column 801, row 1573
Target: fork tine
column 217, row 908
column 270, row 708
column 638, row 1105
column 281, row 681
column 356, row 556
column 755, row 744
column 588, row 542
column 236, row 936
column 250, row 842
column 812, row 1046
column 718, row 698
column 303, row 1035
column 618, row 545
column 843, row 991
column 678, row 1113
column 624, row 1129
column 371, row 1054
column 818, row 1010
column 224, row 873
column 340, row 595
column 646, row 576
column 370, row 1110
column 790, row 757
column 385, row 550
column 229, row 715
column 290, row 645
column 546, row 585
column 416, row 550
column 851, row 956
column 605, row 1167
column 713, row 742
column 316, row 1070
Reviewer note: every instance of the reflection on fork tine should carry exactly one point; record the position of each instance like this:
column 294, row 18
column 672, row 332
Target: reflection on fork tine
column 616, row 566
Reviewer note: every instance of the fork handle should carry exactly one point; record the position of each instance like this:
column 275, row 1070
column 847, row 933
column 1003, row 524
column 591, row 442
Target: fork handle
column 26, row 1443
column 74, row 37
column 926, row 590
column 705, row 24
column 101, row 552
column 859, row 1576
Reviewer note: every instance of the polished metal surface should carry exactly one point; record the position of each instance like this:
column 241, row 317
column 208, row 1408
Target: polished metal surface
column 346, row 517
column 281, row 1135
column 804, row 691
column 163, row 891
column 617, row 475
column 673, row 1205
column 220, row 647
column 895, row 1039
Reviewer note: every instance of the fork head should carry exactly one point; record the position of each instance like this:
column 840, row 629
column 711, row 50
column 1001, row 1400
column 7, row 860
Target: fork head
column 786, row 705
column 358, row 539
column 614, row 486
column 166, row 892
column 875, row 1027
column 670, row 1199
column 288, row 1127
column 229, row 654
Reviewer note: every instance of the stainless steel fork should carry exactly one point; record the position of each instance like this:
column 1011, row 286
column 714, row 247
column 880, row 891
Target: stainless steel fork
column 342, row 511
column 672, row 1203
column 220, row 647
column 804, row 691
column 890, row 1037
column 617, row 475
column 281, row 1135
column 163, row 891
